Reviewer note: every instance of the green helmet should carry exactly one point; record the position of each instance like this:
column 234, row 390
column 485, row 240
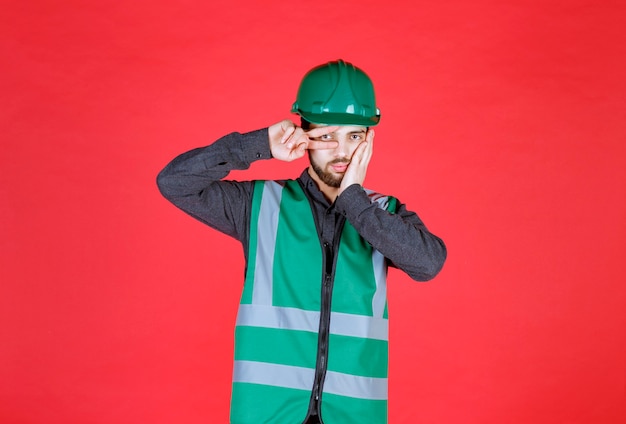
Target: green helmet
column 337, row 93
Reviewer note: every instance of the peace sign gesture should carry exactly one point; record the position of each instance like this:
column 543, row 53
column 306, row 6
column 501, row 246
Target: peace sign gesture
column 289, row 142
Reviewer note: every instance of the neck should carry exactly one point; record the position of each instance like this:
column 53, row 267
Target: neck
column 330, row 193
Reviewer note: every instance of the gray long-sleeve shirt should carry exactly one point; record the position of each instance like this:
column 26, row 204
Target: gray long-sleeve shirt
column 194, row 182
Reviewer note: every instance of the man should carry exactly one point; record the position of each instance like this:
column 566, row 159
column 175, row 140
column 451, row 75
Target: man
column 311, row 331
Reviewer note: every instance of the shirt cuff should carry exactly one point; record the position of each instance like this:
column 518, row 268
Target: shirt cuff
column 255, row 145
column 352, row 201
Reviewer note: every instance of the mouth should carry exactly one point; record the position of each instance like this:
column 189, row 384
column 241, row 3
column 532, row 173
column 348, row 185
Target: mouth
column 339, row 167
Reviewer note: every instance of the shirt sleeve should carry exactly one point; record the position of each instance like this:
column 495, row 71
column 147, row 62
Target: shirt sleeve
column 194, row 181
column 401, row 237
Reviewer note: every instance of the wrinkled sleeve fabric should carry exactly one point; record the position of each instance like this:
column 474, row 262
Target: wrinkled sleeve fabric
column 401, row 237
column 194, row 182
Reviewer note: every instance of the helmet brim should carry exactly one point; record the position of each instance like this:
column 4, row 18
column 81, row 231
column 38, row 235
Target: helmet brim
column 339, row 119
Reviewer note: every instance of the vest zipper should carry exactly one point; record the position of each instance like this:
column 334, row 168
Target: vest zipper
column 323, row 335
column 314, row 414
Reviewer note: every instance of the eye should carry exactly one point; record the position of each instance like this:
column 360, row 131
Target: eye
column 356, row 137
column 326, row 137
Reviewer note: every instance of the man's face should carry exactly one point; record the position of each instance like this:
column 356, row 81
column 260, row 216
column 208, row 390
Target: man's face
column 331, row 164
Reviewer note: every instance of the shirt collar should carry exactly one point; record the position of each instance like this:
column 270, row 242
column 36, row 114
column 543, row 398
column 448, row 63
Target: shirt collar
column 311, row 187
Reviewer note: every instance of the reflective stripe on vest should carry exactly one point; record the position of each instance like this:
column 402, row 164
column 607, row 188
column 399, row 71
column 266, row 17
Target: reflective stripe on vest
column 301, row 378
column 298, row 319
column 278, row 318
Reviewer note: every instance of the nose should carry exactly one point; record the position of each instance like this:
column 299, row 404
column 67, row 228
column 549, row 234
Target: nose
column 343, row 149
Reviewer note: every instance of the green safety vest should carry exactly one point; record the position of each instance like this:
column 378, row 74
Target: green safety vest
column 278, row 323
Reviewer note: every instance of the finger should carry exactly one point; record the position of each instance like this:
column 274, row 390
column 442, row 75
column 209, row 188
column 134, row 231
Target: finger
column 365, row 154
column 320, row 131
column 287, row 134
column 322, row 145
column 370, row 144
column 298, row 152
column 360, row 152
column 295, row 137
column 298, row 137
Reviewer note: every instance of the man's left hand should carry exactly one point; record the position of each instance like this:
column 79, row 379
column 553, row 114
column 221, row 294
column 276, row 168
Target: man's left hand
column 355, row 174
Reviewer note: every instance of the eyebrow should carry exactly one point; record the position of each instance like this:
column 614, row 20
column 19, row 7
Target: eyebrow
column 363, row 131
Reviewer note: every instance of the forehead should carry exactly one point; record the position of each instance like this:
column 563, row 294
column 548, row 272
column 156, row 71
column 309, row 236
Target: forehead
column 344, row 129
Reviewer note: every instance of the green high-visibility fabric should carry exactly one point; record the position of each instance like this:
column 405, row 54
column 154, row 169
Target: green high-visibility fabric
column 272, row 346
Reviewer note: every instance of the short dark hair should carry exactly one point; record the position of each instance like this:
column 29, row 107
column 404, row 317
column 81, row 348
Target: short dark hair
column 306, row 125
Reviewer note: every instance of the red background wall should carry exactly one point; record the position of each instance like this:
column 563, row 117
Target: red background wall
column 503, row 125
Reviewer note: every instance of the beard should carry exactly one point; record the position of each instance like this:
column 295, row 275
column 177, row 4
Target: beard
column 328, row 178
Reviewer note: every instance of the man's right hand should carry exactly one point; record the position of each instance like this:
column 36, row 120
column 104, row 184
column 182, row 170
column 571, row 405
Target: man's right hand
column 289, row 142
